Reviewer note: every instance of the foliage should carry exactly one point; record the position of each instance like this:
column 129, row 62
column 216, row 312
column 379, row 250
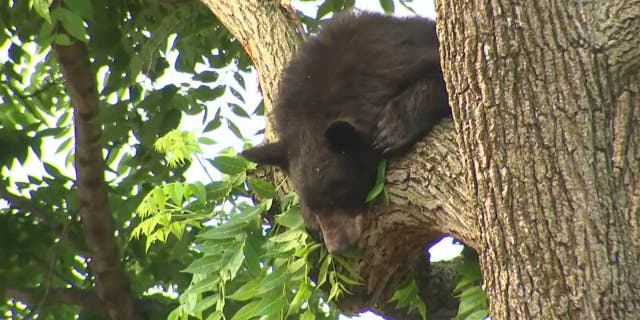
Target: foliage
column 473, row 300
column 378, row 185
column 406, row 296
column 247, row 265
column 42, row 244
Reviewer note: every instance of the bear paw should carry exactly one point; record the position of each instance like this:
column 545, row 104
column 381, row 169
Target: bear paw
column 395, row 131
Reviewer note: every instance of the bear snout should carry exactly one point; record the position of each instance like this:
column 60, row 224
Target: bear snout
column 341, row 232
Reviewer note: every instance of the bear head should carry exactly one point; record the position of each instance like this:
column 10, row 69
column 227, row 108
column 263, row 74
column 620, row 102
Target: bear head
column 332, row 174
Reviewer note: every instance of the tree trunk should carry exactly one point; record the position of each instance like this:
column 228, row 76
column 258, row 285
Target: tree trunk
column 545, row 100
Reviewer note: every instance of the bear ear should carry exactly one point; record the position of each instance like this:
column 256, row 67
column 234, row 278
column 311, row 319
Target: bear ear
column 269, row 154
column 344, row 137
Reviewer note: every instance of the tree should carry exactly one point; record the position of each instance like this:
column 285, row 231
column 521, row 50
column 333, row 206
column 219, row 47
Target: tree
column 528, row 83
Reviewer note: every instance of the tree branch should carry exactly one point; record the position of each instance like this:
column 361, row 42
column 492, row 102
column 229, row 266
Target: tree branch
column 111, row 283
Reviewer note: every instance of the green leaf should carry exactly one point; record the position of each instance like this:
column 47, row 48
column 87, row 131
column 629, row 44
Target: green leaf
column 42, row 9
column 267, row 306
column 477, row 315
column 206, row 141
column 276, row 279
column 291, row 218
column 53, row 171
column 206, row 76
column 259, row 110
column 206, row 264
column 236, row 94
column 387, row 5
column 212, row 125
column 246, row 291
column 223, row 231
column 198, row 189
column 81, row 7
column 289, row 235
column 218, row 190
column 175, row 192
column 378, row 186
column 238, row 110
column 206, row 303
column 263, row 189
column 205, row 93
column 234, row 264
column 72, row 23
column 472, row 291
column 230, row 165
column 16, row 53
column 308, row 315
column 302, row 294
column 246, row 312
column 239, row 79
column 324, row 267
column 61, row 39
column 236, row 131
column 324, row 9
column 475, row 300
column 216, row 315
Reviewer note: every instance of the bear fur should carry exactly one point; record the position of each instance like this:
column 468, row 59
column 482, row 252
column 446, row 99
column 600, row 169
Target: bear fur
column 367, row 86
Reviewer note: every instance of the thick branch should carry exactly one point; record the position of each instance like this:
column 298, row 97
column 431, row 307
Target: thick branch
column 427, row 199
column 111, row 283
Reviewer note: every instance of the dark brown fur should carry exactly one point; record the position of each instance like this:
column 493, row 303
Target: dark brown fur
column 366, row 87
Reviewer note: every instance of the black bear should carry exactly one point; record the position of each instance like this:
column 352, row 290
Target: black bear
column 366, row 87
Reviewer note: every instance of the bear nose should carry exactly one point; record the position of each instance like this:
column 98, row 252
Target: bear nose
column 340, row 232
column 338, row 244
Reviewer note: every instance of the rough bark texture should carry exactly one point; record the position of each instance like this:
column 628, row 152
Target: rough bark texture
column 545, row 98
column 111, row 283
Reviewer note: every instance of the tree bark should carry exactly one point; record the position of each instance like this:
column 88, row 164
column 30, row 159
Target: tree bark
column 545, row 101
